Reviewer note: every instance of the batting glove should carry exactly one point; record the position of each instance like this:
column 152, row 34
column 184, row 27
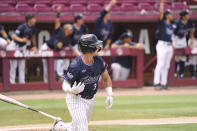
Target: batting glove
column 77, row 88
column 109, row 99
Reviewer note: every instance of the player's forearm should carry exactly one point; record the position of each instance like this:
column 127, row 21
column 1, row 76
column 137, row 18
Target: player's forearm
column 34, row 41
column 108, row 86
column 114, row 46
column 161, row 9
column 108, row 7
column 57, row 23
column 57, row 20
column 108, row 44
column 107, row 82
column 192, row 34
column 16, row 38
column 4, row 34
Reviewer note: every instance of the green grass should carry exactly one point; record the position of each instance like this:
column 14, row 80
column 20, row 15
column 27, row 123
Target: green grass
column 183, row 127
column 125, row 107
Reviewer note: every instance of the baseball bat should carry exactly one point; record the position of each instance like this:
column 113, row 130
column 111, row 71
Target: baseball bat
column 15, row 102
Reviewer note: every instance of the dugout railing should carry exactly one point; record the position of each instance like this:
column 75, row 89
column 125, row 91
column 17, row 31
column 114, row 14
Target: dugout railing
column 186, row 81
column 137, row 81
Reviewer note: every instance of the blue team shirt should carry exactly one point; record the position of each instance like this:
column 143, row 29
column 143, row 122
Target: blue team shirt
column 101, row 29
column 77, row 33
column 183, row 29
column 1, row 27
column 165, row 31
column 125, row 61
column 89, row 75
column 58, row 36
column 195, row 33
column 24, row 31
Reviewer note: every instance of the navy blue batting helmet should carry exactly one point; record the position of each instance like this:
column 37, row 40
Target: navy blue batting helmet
column 89, row 43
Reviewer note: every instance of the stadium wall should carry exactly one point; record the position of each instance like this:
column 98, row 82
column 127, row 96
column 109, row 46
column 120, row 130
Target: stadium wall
column 143, row 31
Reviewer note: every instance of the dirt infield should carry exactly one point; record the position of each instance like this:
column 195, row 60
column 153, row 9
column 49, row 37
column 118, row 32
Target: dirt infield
column 25, row 95
column 45, row 127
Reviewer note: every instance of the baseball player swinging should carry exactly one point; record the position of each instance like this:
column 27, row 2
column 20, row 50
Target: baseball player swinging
column 81, row 82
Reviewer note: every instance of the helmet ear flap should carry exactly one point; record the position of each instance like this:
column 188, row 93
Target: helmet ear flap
column 86, row 49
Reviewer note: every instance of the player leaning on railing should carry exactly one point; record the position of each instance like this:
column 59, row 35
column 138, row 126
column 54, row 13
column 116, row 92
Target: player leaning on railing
column 60, row 40
column 121, row 66
column 164, row 47
column 24, row 33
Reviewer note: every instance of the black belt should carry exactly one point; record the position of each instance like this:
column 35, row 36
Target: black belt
column 85, row 97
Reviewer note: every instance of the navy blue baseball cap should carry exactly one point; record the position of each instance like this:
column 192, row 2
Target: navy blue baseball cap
column 184, row 13
column 166, row 12
column 78, row 16
column 126, row 35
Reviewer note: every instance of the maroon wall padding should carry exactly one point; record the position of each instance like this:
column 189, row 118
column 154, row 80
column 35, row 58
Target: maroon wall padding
column 52, row 55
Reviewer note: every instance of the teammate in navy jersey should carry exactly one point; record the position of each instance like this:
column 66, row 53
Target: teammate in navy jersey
column 184, row 25
column 164, row 47
column 24, row 34
column 60, row 40
column 79, row 29
column 121, row 66
column 103, row 27
column 81, row 82
column 4, row 40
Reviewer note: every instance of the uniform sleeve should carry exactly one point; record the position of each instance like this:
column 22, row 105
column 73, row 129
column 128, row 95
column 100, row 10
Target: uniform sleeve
column 118, row 42
column 102, row 14
column 85, row 30
column 34, row 30
column 71, row 74
column 176, row 25
column 100, row 18
column 133, row 43
column 160, row 22
column 103, row 65
column 191, row 24
column 19, row 30
column 57, row 30
column 110, row 33
column 72, row 40
column 1, row 28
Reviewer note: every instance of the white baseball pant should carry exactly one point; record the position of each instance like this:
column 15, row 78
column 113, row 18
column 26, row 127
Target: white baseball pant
column 164, row 56
column 20, row 63
column 60, row 65
column 193, row 59
column 3, row 43
column 119, row 72
column 80, row 110
column 180, row 43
